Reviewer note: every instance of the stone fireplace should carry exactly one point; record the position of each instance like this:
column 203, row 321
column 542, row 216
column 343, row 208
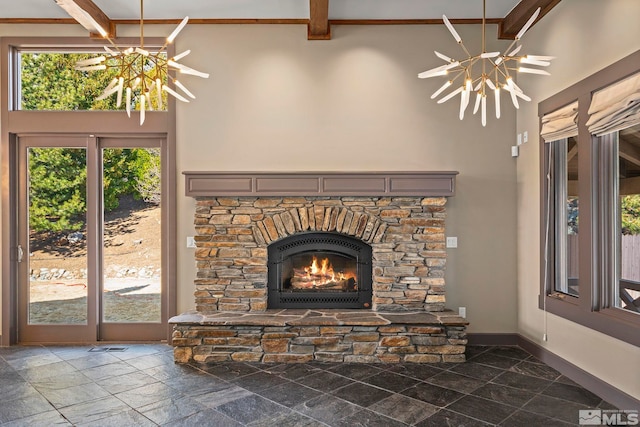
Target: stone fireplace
column 329, row 267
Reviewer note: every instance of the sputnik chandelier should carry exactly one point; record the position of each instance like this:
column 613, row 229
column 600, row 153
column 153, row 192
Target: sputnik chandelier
column 141, row 73
column 496, row 71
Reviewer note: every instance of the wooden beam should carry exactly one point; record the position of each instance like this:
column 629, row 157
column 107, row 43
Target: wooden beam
column 630, row 186
column 519, row 15
column 90, row 16
column 629, row 152
column 318, row 27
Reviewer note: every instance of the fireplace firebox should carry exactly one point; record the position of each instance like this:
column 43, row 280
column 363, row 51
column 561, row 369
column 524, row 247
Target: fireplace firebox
column 319, row 270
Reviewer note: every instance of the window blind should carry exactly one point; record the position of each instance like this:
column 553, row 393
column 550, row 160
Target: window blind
column 560, row 124
column 615, row 107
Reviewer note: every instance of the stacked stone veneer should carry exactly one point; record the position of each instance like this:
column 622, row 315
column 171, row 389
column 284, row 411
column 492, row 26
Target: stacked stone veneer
column 406, row 234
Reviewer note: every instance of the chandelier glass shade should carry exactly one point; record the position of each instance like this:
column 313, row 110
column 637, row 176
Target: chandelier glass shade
column 142, row 75
column 486, row 72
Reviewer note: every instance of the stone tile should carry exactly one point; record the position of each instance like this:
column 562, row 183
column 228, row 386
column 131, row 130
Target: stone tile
column 482, row 409
column 327, row 408
column 357, row 371
column 45, row 419
column 391, row 381
column 289, row 394
column 126, row 382
column 258, row 381
column 107, row 371
column 454, row 381
column 502, row 394
column 163, row 372
column 512, row 352
column 208, row 417
column 361, row 394
column 528, row 419
column 573, row 393
column 148, row 361
column 294, row 371
column 125, row 418
column 251, row 408
column 220, row 397
column 67, row 396
column 46, row 358
column 523, row 382
column 42, row 372
column 231, row 371
column 168, row 410
column 94, row 410
column 495, row 360
column 414, row 370
column 91, row 360
column 325, row 381
column 537, row 370
column 477, row 370
column 148, row 394
column 196, row 384
column 449, row 418
column 16, row 390
column 555, row 408
column 432, row 394
column 287, row 419
column 366, row 418
column 473, row 350
column 16, row 409
column 404, row 409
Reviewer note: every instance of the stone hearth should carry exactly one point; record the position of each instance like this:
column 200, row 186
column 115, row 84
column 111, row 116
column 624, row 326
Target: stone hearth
column 400, row 215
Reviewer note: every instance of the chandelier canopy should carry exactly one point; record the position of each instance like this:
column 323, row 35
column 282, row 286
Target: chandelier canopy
column 486, row 71
column 142, row 74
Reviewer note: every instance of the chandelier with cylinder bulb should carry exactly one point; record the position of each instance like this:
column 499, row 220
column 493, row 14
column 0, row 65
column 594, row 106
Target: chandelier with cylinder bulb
column 142, row 75
column 486, row 71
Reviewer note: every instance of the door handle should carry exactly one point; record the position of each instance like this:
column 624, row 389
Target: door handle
column 20, row 253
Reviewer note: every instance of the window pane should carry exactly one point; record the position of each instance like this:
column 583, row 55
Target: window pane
column 57, row 253
column 628, row 292
column 567, row 216
column 49, row 81
column 132, row 263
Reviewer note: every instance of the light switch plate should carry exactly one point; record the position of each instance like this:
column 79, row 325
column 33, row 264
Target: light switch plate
column 191, row 242
column 452, row 242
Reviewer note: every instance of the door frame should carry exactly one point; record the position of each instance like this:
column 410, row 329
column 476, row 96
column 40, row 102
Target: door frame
column 81, row 123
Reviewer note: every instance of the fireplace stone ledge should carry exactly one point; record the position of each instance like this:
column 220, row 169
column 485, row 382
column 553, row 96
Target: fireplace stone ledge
column 298, row 336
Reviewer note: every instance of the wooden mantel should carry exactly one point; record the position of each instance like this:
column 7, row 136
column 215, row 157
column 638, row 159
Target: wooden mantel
column 421, row 184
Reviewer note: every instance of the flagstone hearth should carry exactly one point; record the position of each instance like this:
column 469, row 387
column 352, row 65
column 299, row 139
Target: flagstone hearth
column 385, row 233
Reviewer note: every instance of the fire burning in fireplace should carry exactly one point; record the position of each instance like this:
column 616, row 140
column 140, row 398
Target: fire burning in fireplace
column 320, row 275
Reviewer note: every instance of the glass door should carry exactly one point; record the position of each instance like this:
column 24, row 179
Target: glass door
column 90, row 241
column 132, row 306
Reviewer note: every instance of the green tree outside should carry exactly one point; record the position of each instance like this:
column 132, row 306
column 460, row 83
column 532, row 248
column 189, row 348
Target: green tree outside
column 58, row 175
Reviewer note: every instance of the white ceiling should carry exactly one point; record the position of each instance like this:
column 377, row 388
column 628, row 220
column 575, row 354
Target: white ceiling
column 268, row 9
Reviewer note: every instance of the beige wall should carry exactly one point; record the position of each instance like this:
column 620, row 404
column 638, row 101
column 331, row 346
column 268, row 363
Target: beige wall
column 586, row 36
column 276, row 101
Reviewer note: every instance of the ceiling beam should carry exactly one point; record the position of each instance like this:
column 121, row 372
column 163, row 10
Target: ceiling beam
column 318, row 27
column 90, row 16
column 519, row 15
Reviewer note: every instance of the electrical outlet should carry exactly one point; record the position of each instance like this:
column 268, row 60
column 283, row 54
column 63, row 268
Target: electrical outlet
column 452, row 242
column 191, row 242
column 462, row 311
column 525, row 137
column 515, row 151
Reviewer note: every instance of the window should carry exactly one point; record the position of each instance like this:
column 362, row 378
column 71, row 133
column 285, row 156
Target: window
column 590, row 176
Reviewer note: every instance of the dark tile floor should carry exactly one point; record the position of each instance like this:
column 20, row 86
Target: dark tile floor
column 139, row 385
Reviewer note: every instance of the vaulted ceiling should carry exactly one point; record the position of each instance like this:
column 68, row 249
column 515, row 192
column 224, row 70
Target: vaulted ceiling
column 318, row 15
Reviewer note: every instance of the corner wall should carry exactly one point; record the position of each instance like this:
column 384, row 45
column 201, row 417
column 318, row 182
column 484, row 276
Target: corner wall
column 585, row 36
